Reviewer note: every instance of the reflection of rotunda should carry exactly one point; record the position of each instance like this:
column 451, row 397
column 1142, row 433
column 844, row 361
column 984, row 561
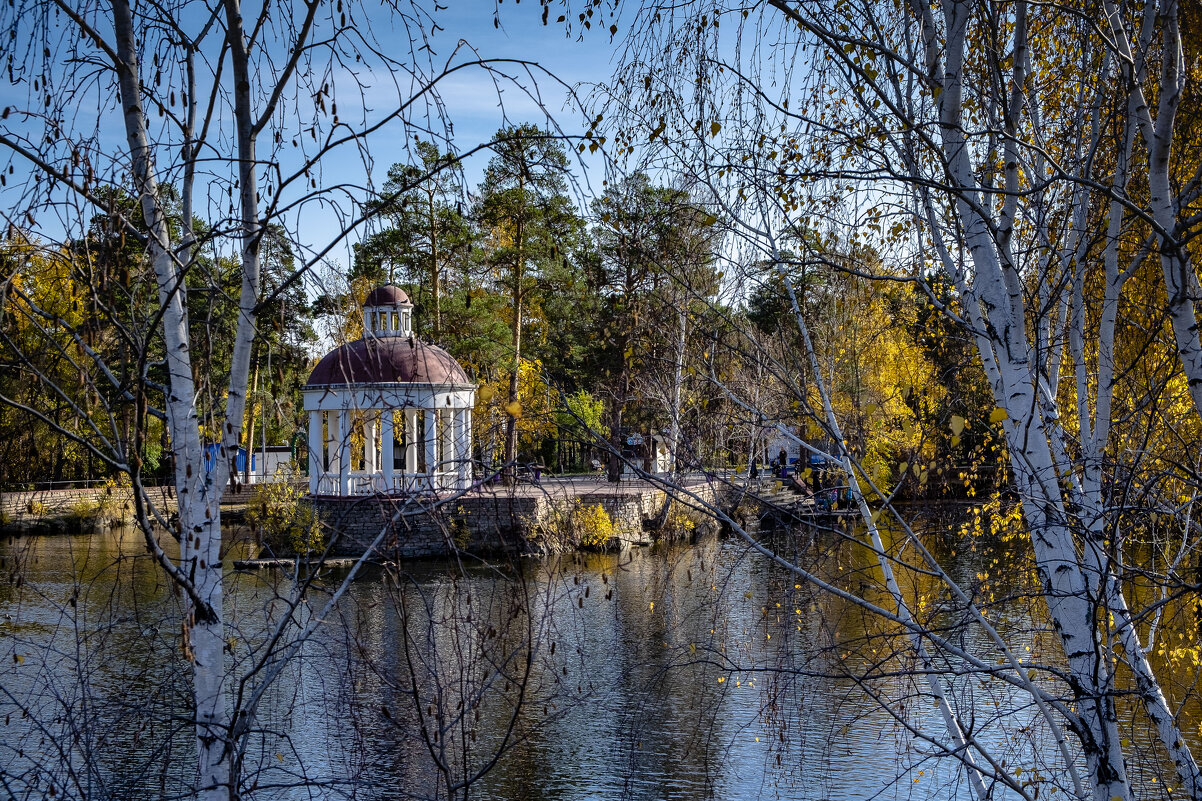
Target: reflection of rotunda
column 388, row 413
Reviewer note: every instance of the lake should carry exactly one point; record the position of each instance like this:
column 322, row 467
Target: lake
column 689, row 671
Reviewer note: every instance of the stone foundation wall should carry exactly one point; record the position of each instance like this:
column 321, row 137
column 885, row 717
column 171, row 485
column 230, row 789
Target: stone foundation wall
column 406, row 528
column 41, row 504
column 479, row 523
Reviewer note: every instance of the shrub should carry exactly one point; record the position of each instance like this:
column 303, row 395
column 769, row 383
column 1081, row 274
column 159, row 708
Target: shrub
column 85, row 510
column 592, row 525
column 461, row 535
column 679, row 522
column 112, row 501
column 285, row 520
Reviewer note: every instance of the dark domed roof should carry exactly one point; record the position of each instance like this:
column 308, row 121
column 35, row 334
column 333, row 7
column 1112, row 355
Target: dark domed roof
column 386, row 360
column 387, row 296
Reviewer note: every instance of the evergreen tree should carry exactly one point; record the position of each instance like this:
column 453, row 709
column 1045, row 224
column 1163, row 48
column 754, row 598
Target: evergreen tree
column 530, row 227
column 426, row 237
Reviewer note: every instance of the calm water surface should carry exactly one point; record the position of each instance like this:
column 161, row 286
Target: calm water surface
column 682, row 672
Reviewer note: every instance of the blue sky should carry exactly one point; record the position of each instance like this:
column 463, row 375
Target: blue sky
column 470, row 97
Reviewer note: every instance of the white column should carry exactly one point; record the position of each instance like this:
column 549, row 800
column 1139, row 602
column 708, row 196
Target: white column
column 370, row 462
column 467, row 433
column 344, row 453
column 463, row 451
column 450, row 432
column 386, row 437
column 331, row 442
column 411, row 441
column 431, row 434
column 315, row 449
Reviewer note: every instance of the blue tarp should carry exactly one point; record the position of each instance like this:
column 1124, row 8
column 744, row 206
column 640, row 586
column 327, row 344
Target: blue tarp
column 211, row 451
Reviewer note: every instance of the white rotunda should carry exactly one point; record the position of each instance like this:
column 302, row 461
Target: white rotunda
column 388, row 414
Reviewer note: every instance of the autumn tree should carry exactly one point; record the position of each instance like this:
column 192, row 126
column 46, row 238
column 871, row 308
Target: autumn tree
column 656, row 246
column 234, row 117
column 532, row 230
column 1033, row 157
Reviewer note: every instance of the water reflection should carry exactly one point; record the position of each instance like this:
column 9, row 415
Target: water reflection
column 686, row 672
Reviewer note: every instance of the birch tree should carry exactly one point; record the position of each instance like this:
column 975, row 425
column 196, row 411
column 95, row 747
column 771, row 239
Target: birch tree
column 235, row 112
column 1030, row 155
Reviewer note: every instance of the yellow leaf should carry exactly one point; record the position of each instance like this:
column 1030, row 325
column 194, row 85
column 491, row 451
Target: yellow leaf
column 998, row 415
column 486, row 393
column 957, row 424
column 513, row 409
column 721, row 679
column 714, row 128
column 652, row 607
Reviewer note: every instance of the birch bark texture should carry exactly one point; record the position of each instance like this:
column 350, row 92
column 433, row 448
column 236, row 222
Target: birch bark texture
column 1033, row 156
column 232, row 115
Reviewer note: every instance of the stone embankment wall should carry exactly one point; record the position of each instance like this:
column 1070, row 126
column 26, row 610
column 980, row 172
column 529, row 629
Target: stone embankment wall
column 38, row 505
column 482, row 522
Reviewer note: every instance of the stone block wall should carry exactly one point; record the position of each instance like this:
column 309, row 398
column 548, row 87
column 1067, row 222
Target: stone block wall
column 42, row 504
column 415, row 527
column 479, row 523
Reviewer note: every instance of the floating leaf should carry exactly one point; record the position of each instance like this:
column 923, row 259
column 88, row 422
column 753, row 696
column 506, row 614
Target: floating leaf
column 998, row 415
column 514, row 409
column 714, row 128
column 957, row 424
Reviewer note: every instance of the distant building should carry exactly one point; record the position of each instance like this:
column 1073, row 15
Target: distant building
column 389, row 414
column 264, row 466
column 213, row 449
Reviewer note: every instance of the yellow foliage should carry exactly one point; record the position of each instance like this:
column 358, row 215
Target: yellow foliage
column 284, row 517
column 533, row 410
column 591, row 525
column 875, row 367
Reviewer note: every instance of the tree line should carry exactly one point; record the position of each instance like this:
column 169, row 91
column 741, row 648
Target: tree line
column 582, row 327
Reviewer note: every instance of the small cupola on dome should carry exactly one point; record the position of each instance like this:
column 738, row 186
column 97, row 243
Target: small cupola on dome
column 387, row 312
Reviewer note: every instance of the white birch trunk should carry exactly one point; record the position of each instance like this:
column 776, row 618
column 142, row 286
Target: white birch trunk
column 682, row 324
column 1035, row 470
column 199, row 521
